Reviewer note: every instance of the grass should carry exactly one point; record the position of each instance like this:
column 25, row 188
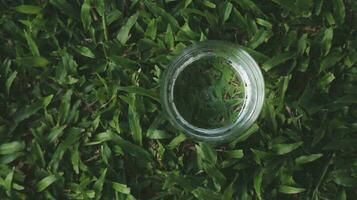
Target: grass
column 80, row 116
column 208, row 93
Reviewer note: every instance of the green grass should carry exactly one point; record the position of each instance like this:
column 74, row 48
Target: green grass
column 208, row 93
column 80, row 116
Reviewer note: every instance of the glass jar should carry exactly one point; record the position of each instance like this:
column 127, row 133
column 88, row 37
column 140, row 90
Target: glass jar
column 246, row 69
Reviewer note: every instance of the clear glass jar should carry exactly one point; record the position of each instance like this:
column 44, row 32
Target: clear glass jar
column 249, row 74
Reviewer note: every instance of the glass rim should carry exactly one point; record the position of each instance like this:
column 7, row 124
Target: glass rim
column 247, row 70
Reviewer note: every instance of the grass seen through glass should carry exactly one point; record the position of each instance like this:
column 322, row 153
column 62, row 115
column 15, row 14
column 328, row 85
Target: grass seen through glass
column 208, row 93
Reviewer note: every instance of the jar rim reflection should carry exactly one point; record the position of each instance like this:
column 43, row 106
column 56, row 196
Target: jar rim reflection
column 242, row 63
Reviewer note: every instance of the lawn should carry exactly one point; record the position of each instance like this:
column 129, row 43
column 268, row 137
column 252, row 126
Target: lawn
column 80, row 115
